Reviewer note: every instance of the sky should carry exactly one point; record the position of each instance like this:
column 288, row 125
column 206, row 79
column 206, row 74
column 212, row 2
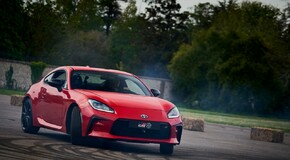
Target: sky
column 187, row 4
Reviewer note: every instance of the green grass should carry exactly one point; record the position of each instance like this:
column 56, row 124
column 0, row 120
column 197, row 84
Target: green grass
column 11, row 92
column 236, row 120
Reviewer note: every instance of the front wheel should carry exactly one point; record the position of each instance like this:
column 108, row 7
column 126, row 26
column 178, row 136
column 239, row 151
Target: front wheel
column 166, row 149
column 76, row 127
column 26, row 118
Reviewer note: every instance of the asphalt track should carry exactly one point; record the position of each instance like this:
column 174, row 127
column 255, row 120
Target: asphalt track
column 217, row 142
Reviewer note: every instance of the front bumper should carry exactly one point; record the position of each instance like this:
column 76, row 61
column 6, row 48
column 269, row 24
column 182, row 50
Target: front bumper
column 135, row 130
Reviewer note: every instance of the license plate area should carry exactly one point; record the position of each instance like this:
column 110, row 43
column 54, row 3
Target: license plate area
column 144, row 125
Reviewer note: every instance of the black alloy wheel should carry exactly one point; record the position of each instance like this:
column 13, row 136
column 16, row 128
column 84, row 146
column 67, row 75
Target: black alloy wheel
column 26, row 118
column 76, row 127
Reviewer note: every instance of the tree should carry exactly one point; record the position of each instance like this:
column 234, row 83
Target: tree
column 43, row 29
column 82, row 15
column 166, row 20
column 235, row 64
column 11, row 28
column 81, row 48
column 139, row 46
column 164, row 14
column 163, row 29
column 127, row 40
column 88, row 16
column 110, row 12
column 203, row 15
column 286, row 24
column 66, row 8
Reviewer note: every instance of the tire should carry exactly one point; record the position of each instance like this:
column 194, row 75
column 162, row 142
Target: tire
column 76, row 127
column 166, row 149
column 26, row 118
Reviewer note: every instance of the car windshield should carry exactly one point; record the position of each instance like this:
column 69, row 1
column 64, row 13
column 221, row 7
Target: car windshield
column 106, row 81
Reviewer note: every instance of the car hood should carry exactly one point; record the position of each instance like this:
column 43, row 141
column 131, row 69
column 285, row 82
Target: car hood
column 130, row 106
column 128, row 100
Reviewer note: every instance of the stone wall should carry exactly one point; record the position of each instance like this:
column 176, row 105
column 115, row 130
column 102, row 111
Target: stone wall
column 22, row 77
column 164, row 85
column 21, row 74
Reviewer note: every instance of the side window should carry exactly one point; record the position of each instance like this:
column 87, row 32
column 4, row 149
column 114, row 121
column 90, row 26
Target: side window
column 57, row 76
column 48, row 78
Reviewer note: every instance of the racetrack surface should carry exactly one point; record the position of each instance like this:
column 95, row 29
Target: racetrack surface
column 217, row 142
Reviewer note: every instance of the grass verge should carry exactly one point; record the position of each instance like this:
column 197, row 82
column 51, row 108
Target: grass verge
column 237, row 120
column 10, row 92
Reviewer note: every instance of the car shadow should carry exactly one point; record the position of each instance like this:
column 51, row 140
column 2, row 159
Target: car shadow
column 119, row 146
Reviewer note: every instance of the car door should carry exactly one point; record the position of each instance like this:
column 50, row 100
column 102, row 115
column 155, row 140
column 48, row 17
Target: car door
column 52, row 101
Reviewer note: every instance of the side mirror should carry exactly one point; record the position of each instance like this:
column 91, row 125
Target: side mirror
column 56, row 83
column 155, row 92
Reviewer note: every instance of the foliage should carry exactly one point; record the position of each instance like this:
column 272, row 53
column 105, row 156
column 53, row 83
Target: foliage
column 145, row 43
column 11, row 92
column 285, row 20
column 203, row 15
column 11, row 28
column 81, row 48
column 88, row 15
column 43, row 29
column 164, row 14
column 167, row 24
column 235, row 64
column 36, row 70
column 84, row 15
column 8, row 77
column 127, row 40
column 110, row 12
column 230, row 56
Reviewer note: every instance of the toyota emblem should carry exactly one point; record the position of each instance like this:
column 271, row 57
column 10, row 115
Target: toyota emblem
column 144, row 116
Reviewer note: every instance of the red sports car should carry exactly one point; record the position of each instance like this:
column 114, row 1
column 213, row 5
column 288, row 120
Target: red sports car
column 101, row 103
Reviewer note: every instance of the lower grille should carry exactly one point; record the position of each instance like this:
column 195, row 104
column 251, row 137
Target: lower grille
column 141, row 129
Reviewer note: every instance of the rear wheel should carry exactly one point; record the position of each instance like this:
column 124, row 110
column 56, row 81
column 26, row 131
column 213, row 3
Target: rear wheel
column 166, row 149
column 76, row 127
column 26, row 118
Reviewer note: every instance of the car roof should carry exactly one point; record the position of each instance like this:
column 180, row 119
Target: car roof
column 88, row 68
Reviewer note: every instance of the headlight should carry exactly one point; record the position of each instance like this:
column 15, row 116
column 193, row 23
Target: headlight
column 100, row 106
column 173, row 113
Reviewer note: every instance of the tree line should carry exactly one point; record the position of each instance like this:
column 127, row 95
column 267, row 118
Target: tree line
column 232, row 57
